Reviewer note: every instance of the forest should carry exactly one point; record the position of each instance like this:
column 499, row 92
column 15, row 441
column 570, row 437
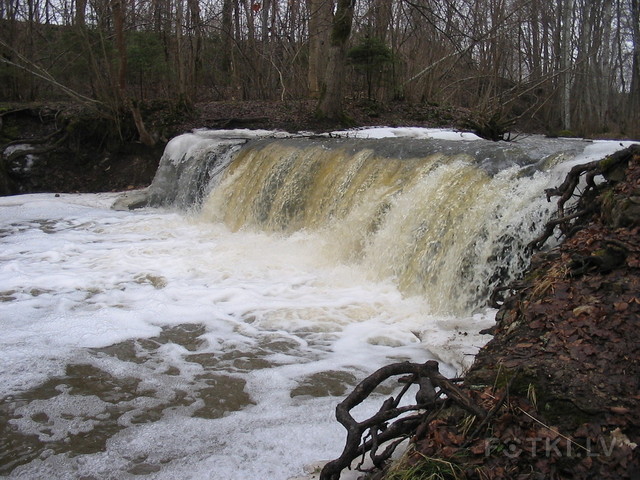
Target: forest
column 567, row 67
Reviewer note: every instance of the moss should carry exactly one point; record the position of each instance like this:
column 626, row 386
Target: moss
column 9, row 133
column 607, row 162
column 558, row 411
column 566, row 133
column 532, row 384
column 519, row 381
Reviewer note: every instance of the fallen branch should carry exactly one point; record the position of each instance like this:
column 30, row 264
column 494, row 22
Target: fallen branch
column 145, row 137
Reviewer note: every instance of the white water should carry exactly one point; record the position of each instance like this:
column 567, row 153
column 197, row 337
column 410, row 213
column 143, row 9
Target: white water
column 152, row 344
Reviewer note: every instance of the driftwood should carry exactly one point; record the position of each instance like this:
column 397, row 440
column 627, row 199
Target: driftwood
column 370, row 434
column 583, row 209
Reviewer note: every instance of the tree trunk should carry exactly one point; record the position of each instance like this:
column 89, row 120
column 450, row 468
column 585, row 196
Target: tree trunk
column 634, row 103
column 195, row 66
column 118, row 24
column 331, row 98
column 319, row 26
column 564, row 64
column 81, row 6
column 145, row 137
column 536, row 57
column 606, row 65
column 227, row 37
column 382, row 14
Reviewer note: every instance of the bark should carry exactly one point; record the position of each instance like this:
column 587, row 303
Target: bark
column 634, row 104
column 145, row 137
column 179, row 54
column 379, row 427
column 608, row 167
column 117, row 9
column 382, row 14
column 195, row 22
column 331, row 97
column 565, row 61
column 536, row 69
column 319, row 26
column 81, row 6
column 227, row 36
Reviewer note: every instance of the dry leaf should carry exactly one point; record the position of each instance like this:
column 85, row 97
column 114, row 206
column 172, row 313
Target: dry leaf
column 588, row 309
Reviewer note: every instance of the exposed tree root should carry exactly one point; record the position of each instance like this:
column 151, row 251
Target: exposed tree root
column 610, row 168
column 48, row 147
column 563, row 342
column 35, row 141
column 359, row 442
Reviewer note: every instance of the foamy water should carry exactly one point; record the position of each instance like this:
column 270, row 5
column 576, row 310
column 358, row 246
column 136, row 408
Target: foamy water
column 162, row 345
column 153, row 343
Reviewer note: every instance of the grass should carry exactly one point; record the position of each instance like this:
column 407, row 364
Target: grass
column 427, row 468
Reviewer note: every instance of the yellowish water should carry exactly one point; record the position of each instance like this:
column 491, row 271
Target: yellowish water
column 439, row 225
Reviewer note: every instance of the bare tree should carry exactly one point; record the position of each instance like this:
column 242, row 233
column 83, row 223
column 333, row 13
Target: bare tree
column 331, row 100
column 634, row 103
column 567, row 9
column 563, row 64
column 319, row 26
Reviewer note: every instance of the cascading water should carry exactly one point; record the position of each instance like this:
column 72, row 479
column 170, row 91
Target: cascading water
column 446, row 220
column 211, row 334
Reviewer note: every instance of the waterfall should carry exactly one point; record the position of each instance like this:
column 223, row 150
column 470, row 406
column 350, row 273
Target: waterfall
column 279, row 271
column 447, row 220
column 189, row 167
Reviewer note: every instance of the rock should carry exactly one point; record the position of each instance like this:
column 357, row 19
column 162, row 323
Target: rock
column 626, row 212
column 132, row 200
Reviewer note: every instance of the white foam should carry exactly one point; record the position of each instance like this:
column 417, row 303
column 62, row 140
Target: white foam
column 597, row 150
column 407, row 132
column 76, row 276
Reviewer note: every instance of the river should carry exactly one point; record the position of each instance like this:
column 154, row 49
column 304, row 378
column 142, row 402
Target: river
column 211, row 336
